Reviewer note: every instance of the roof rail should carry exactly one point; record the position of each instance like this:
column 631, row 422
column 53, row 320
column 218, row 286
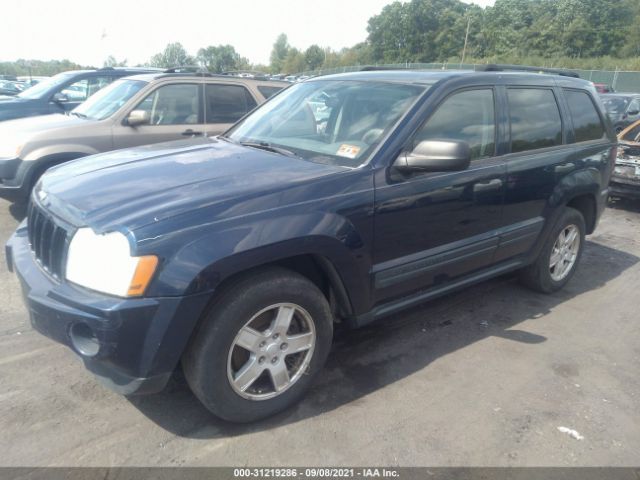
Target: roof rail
column 492, row 67
column 375, row 68
column 186, row 69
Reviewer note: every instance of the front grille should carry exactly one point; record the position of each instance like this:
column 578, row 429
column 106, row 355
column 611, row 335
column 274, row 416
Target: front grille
column 48, row 240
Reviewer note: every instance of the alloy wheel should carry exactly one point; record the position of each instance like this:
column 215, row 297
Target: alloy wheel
column 271, row 351
column 564, row 253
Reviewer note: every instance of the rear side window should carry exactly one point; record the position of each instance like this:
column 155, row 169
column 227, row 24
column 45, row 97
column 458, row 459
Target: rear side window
column 268, row 91
column 227, row 103
column 467, row 116
column 587, row 124
column 535, row 119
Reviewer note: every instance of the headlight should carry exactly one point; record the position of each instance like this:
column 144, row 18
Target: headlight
column 10, row 150
column 104, row 263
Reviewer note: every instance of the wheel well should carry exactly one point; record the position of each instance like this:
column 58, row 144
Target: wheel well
column 320, row 271
column 45, row 163
column 323, row 274
column 586, row 205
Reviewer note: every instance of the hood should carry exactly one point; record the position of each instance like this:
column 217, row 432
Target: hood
column 135, row 187
column 27, row 132
column 33, row 125
column 16, row 107
column 7, row 100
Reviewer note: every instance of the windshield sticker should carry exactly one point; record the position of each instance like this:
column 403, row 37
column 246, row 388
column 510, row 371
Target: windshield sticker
column 348, row 151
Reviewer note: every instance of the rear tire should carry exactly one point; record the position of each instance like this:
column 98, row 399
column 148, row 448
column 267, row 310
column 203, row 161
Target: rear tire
column 259, row 346
column 559, row 256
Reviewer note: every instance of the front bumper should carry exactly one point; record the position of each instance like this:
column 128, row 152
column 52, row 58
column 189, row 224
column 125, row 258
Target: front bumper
column 131, row 345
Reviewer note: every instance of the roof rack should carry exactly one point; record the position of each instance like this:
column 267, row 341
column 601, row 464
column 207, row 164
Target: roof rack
column 492, row 67
column 186, row 69
column 375, row 68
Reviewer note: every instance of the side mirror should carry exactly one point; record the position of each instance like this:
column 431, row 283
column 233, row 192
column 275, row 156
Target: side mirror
column 138, row 117
column 435, row 156
column 60, row 98
column 633, row 112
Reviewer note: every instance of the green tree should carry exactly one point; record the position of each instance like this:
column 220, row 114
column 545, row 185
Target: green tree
column 279, row 53
column 112, row 62
column 314, row 57
column 174, row 55
column 294, row 62
column 221, row 59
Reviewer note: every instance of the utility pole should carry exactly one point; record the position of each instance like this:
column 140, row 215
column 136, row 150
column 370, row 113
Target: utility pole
column 466, row 39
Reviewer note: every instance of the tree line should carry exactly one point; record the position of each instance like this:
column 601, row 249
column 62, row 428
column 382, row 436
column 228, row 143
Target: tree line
column 598, row 34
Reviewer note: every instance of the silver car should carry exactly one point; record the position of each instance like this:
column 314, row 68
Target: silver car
column 132, row 111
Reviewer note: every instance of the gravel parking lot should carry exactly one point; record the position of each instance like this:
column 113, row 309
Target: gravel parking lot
column 482, row 377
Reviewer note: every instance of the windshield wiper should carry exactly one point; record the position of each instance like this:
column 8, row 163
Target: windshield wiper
column 79, row 115
column 270, row 148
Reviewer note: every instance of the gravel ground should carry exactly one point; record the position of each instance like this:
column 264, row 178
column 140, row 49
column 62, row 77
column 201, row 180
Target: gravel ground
column 483, row 377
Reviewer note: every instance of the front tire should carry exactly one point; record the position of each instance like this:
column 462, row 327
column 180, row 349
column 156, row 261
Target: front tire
column 259, row 346
column 559, row 256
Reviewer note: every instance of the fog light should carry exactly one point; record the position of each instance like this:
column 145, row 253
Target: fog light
column 84, row 340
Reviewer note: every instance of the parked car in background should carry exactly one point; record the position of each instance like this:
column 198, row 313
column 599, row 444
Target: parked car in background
column 603, row 88
column 625, row 181
column 33, row 79
column 63, row 92
column 132, row 111
column 235, row 257
column 623, row 109
column 10, row 88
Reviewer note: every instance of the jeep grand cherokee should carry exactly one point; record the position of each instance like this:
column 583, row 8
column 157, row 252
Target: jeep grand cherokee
column 343, row 199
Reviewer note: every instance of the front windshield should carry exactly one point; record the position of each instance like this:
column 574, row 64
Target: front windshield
column 42, row 88
column 615, row 105
column 337, row 122
column 106, row 101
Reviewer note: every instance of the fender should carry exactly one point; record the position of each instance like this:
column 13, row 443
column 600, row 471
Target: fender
column 580, row 182
column 29, row 170
column 70, row 151
column 238, row 248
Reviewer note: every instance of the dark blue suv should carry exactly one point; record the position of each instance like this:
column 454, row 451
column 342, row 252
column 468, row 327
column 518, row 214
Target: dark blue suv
column 345, row 198
column 63, row 92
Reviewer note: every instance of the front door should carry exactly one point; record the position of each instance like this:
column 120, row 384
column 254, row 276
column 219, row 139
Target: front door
column 433, row 227
column 75, row 93
column 173, row 111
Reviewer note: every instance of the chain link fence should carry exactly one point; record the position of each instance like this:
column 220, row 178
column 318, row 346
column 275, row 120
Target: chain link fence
column 618, row 80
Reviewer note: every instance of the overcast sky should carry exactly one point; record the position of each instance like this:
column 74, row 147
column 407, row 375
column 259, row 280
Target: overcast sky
column 88, row 32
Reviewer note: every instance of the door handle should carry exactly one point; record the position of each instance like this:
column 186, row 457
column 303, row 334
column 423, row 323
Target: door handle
column 495, row 184
column 191, row 133
column 566, row 168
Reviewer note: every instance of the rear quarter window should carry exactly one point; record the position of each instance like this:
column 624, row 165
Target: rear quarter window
column 227, row 103
column 268, row 91
column 535, row 119
column 587, row 124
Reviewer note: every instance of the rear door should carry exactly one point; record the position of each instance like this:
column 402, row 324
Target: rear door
column 539, row 155
column 174, row 112
column 225, row 105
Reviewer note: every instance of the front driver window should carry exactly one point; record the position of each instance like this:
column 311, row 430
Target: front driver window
column 468, row 116
column 172, row 105
column 82, row 89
